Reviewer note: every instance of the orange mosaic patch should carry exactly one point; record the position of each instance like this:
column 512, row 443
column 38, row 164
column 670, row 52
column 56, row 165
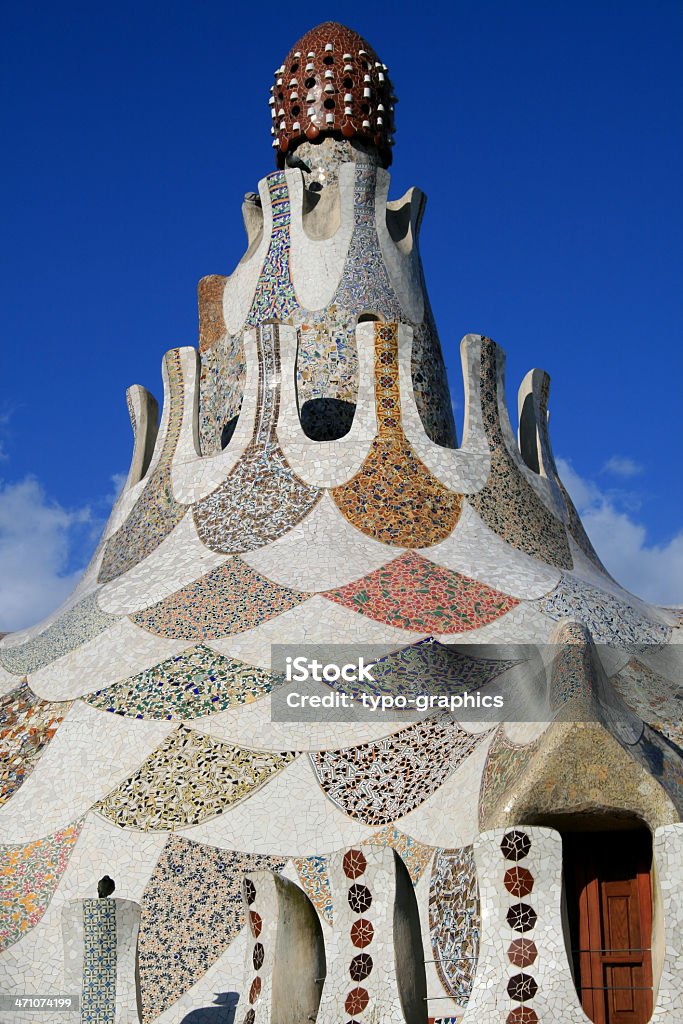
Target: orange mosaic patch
column 393, row 497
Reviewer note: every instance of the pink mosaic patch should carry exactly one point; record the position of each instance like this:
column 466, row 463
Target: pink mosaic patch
column 414, row 593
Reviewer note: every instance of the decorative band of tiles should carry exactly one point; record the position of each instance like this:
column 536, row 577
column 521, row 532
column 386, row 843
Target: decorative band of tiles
column 98, row 996
column 522, row 918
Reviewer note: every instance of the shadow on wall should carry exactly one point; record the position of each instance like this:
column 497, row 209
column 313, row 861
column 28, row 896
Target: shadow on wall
column 221, row 1012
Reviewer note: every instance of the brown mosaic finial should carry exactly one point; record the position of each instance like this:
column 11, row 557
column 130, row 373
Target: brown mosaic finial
column 332, row 83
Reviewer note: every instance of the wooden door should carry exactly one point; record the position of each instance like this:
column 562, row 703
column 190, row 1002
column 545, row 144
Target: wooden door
column 610, row 911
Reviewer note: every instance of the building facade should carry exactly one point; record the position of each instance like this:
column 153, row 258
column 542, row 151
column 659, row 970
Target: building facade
column 304, row 491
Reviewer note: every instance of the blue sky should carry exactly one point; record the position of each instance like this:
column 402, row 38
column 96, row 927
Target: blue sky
column 547, row 137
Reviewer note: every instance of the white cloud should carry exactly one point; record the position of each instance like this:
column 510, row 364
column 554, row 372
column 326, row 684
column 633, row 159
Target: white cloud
column 38, row 540
column 622, row 465
column 652, row 571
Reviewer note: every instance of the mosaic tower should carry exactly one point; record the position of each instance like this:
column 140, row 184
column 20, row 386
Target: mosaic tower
column 304, row 486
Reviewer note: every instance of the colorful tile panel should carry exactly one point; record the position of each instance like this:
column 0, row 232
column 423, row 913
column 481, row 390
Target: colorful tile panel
column 197, row 682
column 415, row 594
column 394, row 498
column 415, row 855
column 188, row 779
column 156, row 511
column 30, row 874
column 98, row 996
column 429, row 667
column 229, row 599
column 314, row 877
column 379, row 782
column 508, row 503
column 75, row 627
column 192, row 910
column 455, row 921
column 262, row 498
column 27, row 724
column 610, row 620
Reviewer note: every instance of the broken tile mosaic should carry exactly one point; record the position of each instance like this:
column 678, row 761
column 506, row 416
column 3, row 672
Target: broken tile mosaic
column 192, row 910
column 188, row 779
column 455, row 921
column 382, row 781
column 27, row 724
column 156, row 512
column 610, row 620
column 508, row 503
column 197, row 682
column 394, row 498
column 75, row 627
column 229, row 599
column 262, row 498
column 415, row 594
column 30, row 873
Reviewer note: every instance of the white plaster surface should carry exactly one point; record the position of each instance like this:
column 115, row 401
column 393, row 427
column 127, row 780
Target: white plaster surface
column 90, row 754
column 304, row 558
column 179, row 560
column 289, row 817
column 121, row 651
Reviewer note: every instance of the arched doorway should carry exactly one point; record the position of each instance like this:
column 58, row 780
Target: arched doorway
column 607, row 869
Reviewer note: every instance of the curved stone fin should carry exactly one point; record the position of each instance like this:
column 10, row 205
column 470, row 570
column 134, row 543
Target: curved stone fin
column 143, row 410
column 404, row 219
column 378, row 967
column 284, row 968
column 474, row 437
column 536, row 450
column 515, row 503
column 533, row 434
